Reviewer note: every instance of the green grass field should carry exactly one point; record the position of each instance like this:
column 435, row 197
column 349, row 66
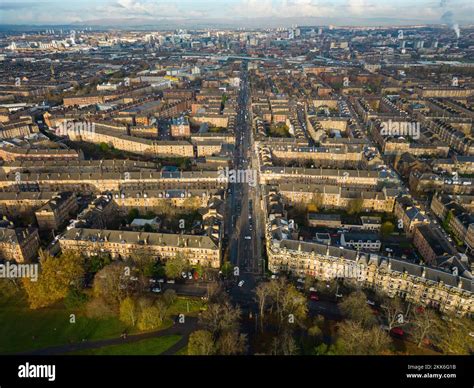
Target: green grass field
column 153, row 346
column 23, row 329
column 183, row 304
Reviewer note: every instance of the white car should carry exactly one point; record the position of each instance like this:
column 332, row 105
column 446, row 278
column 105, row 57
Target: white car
column 241, row 283
column 248, row 237
column 370, row 302
column 156, row 290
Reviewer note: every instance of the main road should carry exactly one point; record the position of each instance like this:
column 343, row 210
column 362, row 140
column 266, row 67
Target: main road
column 244, row 227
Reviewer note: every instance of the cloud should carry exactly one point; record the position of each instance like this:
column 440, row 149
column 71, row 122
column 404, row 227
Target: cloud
column 136, row 7
column 357, row 7
column 10, row 6
column 342, row 11
column 319, row 8
column 316, row 8
column 254, row 8
column 283, row 8
column 145, row 8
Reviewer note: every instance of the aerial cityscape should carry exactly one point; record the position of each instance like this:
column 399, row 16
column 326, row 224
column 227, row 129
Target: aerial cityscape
column 183, row 179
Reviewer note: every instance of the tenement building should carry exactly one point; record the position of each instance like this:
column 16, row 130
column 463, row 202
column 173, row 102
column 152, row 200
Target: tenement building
column 449, row 291
column 19, row 244
column 203, row 250
column 419, row 284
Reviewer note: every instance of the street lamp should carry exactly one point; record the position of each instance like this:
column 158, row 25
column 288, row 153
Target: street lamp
column 337, row 289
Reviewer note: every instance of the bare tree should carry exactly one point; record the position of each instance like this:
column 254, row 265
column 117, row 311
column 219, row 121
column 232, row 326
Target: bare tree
column 284, row 345
column 424, row 324
column 454, row 335
column 218, row 318
column 201, row 343
column 393, row 311
column 355, row 339
column 129, row 311
column 112, row 284
column 231, row 343
column 262, row 293
column 355, row 308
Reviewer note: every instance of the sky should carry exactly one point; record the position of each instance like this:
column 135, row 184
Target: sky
column 339, row 12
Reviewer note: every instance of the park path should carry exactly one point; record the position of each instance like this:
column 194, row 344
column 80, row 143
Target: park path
column 182, row 329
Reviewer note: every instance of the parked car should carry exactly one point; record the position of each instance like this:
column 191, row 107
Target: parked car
column 313, row 296
column 397, row 331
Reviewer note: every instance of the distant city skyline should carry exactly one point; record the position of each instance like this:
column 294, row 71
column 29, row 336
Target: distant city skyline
column 263, row 13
